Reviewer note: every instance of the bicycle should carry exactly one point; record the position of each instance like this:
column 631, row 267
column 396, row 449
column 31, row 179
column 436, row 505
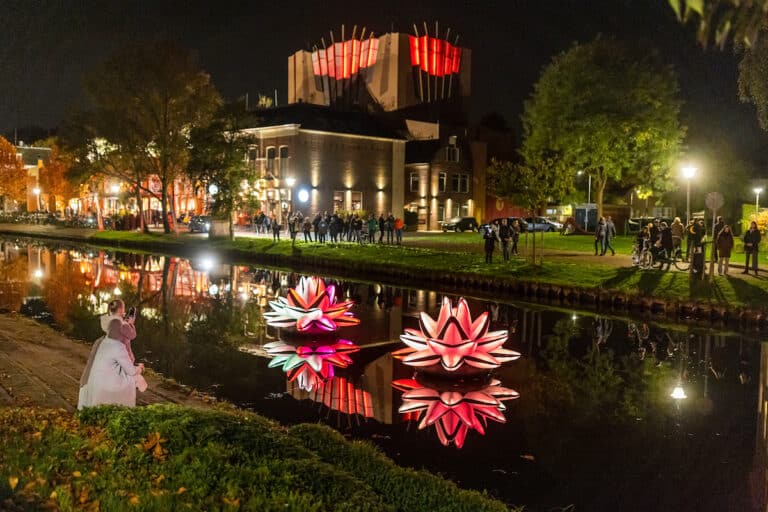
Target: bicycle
column 642, row 257
column 677, row 260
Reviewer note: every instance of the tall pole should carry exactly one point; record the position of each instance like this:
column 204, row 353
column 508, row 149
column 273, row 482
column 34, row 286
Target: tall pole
column 589, row 189
column 688, row 202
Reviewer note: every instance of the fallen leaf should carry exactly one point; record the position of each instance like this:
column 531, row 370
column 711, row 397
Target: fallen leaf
column 233, row 502
column 181, row 490
column 133, row 500
column 53, row 495
column 76, row 474
column 159, row 479
column 13, row 481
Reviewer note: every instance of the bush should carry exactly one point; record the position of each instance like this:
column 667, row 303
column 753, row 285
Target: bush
column 168, row 457
column 405, row 489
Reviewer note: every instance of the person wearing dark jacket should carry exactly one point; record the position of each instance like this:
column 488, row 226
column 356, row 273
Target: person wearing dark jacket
column 667, row 245
column 724, row 243
column 489, row 238
column 600, row 234
column 751, row 244
column 505, row 234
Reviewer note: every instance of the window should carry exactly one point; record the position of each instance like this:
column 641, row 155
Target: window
column 460, row 183
column 253, row 153
column 414, row 182
column 338, row 200
column 283, row 152
column 270, row 159
column 441, row 179
column 357, row 201
column 452, row 151
column 441, row 212
column 455, row 210
column 465, row 210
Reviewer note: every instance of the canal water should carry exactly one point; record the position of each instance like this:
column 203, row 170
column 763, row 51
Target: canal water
column 585, row 419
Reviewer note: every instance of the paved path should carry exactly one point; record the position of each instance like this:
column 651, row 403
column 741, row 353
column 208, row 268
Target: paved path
column 39, row 366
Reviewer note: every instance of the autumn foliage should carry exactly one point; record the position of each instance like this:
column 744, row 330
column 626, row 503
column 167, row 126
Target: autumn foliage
column 13, row 176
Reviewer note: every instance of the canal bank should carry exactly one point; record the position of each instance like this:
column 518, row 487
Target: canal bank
column 573, row 281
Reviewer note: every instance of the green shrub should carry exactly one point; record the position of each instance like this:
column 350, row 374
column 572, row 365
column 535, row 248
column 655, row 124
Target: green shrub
column 403, row 488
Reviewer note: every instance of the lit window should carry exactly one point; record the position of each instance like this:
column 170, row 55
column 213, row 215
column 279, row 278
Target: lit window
column 441, row 212
column 357, row 201
column 414, row 182
column 338, row 200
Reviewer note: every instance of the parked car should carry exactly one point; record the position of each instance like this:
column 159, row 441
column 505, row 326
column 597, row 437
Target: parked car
column 459, row 224
column 199, row 224
column 543, row 224
column 510, row 221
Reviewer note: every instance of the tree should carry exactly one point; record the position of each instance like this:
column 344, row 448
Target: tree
column 13, row 176
column 148, row 97
column 532, row 184
column 218, row 157
column 608, row 110
column 753, row 72
column 724, row 20
column 53, row 176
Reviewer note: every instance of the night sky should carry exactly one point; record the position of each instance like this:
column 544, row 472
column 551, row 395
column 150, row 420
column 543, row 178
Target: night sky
column 47, row 46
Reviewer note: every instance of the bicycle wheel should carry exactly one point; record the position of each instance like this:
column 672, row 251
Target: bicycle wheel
column 646, row 260
column 680, row 263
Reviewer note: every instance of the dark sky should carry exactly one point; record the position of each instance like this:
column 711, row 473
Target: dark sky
column 47, row 46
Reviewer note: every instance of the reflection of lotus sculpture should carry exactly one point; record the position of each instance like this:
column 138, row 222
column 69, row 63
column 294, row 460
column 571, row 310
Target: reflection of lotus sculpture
column 454, row 412
column 311, row 307
column 310, row 364
column 454, row 339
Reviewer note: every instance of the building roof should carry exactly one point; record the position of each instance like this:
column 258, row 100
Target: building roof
column 326, row 119
column 31, row 154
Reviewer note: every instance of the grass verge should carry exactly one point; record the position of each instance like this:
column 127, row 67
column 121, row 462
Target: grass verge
column 167, row 457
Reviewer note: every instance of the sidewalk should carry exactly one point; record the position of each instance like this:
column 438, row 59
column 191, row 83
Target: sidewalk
column 41, row 367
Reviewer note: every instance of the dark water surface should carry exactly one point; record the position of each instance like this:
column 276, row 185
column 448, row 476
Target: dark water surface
column 594, row 427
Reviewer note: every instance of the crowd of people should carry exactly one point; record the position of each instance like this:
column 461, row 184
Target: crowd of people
column 334, row 228
column 664, row 241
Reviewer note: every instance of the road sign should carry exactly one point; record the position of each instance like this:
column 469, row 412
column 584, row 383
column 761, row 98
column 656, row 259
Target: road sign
column 714, row 201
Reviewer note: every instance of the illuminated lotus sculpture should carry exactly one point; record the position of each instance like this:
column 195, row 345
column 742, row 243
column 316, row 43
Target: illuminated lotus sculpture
column 311, row 307
column 454, row 339
column 454, row 413
column 312, row 363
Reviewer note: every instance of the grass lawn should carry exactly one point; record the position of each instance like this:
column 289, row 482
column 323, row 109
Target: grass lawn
column 167, row 457
column 552, row 241
column 452, row 258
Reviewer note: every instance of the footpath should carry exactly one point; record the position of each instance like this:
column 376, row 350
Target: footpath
column 42, row 367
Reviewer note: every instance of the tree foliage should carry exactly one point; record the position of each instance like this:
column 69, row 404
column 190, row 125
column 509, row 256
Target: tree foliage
column 54, row 179
column 608, row 110
column 13, row 176
column 148, row 97
column 218, row 156
column 753, row 79
column 721, row 21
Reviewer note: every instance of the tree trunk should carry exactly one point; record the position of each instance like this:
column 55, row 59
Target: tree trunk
column 231, row 226
column 166, row 224
column 599, row 196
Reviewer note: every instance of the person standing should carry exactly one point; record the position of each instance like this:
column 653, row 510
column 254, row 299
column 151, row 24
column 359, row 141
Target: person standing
column 390, row 227
column 505, row 235
column 373, row 226
column 667, row 245
column 677, row 230
column 515, row 235
column 275, row 229
column 724, row 243
column 610, row 233
column 333, row 228
column 399, row 225
column 751, row 245
column 719, row 224
column 322, row 229
column 382, row 227
column 307, row 228
column 600, row 237
column 690, row 230
column 489, row 238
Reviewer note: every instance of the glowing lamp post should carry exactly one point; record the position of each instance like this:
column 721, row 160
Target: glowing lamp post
column 689, row 172
column 678, row 393
column 757, row 199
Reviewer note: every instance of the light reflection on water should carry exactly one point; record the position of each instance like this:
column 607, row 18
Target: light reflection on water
column 594, row 425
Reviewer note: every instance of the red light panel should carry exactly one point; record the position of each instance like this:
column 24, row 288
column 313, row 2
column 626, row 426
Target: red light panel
column 346, row 58
column 436, row 56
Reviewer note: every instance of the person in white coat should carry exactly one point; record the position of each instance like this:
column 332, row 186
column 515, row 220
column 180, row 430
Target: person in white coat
column 110, row 376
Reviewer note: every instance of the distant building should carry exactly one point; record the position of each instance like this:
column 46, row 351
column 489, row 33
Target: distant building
column 34, row 159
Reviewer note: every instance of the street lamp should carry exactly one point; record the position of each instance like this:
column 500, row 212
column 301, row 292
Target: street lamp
column 678, row 393
column 689, row 172
column 589, row 186
column 757, row 191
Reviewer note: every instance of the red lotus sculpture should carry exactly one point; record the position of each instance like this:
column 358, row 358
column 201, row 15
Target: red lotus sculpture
column 311, row 307
column 310, row 364
column 454, row 413
column 454, row 339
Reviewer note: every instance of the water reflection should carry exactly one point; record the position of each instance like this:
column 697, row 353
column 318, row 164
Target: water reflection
column 594, row 424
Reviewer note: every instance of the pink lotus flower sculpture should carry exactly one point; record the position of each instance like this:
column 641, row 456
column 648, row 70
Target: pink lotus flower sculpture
column 454, row 339
column 310, row 364
column 311, row 307
column 454, row 413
